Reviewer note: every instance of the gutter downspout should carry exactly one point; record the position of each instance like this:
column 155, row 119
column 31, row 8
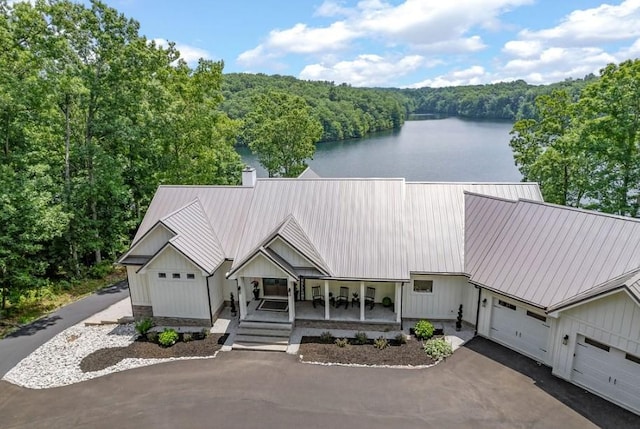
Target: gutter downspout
column 209, row 298
column 401, row 305
column 478, row 309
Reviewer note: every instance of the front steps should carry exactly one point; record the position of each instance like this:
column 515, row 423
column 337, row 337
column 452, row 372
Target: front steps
column 266, row 336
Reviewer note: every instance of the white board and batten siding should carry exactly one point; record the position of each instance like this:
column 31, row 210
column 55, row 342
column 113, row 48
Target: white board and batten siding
column 288, row 254
column 138, row 286
column 153, row 241
column 261, row 267
column 442, row 303
column 521, row 327
column 183, row 297
column 603, row 349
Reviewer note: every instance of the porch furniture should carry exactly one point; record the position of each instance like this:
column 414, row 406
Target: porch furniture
column 354, row 301
column 343, row 297
column 316, row 296
column 370, row 297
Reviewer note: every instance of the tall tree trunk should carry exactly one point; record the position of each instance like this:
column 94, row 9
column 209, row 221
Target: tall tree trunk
column 93, row 205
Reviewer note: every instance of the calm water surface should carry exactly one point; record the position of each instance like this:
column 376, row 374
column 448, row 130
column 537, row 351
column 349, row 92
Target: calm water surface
column 448, row 149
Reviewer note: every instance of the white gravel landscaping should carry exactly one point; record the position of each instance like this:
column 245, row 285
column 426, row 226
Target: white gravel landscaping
column 57, row 362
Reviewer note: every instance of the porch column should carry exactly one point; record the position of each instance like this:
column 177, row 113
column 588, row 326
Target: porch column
column 291, row 298
column 398, row 306
column 242, row 299
column 361, row 300
column 326, row 300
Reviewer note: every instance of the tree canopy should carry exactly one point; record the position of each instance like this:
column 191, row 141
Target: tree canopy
column 584, row 150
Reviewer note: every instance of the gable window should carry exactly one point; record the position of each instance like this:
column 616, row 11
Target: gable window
column 162, row 275
column 423, row 286
column 191, row 276
column 175, row 275
column 506, row 304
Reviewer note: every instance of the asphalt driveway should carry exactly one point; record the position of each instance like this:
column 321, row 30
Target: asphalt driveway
column 21, row 343
column 274, row 390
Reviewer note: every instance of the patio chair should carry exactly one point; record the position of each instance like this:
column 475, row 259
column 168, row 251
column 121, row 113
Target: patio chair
column 316, row 296
column 343, row 297
column 370, row 297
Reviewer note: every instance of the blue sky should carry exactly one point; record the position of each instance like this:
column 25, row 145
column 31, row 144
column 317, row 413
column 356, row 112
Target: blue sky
column 397, row 43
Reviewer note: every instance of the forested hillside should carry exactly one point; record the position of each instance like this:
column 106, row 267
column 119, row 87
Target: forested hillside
column 343, row 111
column 505, row 100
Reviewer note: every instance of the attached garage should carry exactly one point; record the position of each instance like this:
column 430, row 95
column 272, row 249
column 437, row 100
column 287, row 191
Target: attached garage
column 520, row 328
column 607, row 371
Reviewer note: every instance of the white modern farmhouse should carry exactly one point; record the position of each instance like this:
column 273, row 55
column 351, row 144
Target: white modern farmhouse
column 559, row 285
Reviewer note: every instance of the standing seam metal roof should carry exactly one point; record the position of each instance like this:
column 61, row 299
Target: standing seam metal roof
column 547, row 254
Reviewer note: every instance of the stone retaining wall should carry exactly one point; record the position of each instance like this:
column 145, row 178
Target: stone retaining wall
column 142, row 311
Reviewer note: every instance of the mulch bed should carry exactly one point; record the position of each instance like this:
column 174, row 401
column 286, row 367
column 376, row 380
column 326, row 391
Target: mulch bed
column 412, row 353
column 142, row 349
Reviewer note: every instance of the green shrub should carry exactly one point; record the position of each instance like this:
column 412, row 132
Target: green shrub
column 326, row 337
column 152, row 336
column 424, row 329
column 386, row 302
column 380, row 343
column 101, row 270
column 438, row 348
column 186, row 337
column 168, row 337
column 361, row 338
column 204, row 333
column 143, row 326
column 341, row 342
column 401, row 338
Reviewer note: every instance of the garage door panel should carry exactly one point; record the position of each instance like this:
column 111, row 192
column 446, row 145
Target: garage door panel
column 607, row 371
column 520, row 329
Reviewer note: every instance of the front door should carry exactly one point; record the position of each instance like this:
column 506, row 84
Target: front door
column 274, row 287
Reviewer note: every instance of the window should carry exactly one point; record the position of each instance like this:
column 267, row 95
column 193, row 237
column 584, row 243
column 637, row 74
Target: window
column 540, row 317
column 632, row 358
column 175, row 275
column 162, row 275
column 423, row 286
column 191, row 276
column 597, row 344
column 506, row 304
column 274, row 282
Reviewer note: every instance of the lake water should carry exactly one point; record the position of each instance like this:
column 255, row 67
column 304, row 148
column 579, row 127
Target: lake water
column 449, row 149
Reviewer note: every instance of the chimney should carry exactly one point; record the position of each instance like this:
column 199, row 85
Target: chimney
column 249, row 177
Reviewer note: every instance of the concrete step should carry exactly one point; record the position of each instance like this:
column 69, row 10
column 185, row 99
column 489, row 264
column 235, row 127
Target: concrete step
column 264, row 332
column 261, row 340
column 260, row 347
column 266, row 325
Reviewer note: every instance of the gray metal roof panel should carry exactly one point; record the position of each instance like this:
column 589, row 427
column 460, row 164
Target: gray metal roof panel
column 292, row 232
column 435, row 221
column 195, row 237
column 547, row 254
column 225, row 207
column 356, row 225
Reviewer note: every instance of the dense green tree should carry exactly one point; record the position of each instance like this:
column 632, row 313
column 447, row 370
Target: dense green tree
column 281, row 131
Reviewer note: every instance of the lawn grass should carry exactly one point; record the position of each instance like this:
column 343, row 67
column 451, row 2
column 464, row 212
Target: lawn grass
column 39, row 302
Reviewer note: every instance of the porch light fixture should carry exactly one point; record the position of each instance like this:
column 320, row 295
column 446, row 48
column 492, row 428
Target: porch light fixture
column 565, row 339
column 484, row 302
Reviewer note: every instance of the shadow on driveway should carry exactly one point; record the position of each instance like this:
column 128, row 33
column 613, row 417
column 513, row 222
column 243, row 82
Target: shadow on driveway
column 601, row 412
column 34, row 327
column 115, row 288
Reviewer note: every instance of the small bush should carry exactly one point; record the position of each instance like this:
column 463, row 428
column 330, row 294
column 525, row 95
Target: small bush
column 386, row 302
column 204, row 333
column 424, row 329
column 168, row 337
column 438, row 348
column 326, row 337
column 101, row 270
column 186, row 337
column 380, row 343
column 401, row 338
column 341, row 342
column 152, row 336
column 361, row 338
column 143, row 327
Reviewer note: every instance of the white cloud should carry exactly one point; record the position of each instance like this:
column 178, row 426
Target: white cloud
column 605, row 23
column 523, row 48
column 190, row 54
column 473, row 75
column 421, row 25
column 365, row 70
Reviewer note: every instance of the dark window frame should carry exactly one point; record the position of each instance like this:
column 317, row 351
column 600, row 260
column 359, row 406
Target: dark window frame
column 429, row 283
column 597, row 344
column 162, row 275
column 537, row 316
column 506, row 304
column 175, row 276
column 191, row 276
column 632, row 358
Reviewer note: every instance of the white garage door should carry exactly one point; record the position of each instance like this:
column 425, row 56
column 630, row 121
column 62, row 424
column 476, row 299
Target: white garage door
column 607, row 371
column 187, row 299
column 520, row 329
